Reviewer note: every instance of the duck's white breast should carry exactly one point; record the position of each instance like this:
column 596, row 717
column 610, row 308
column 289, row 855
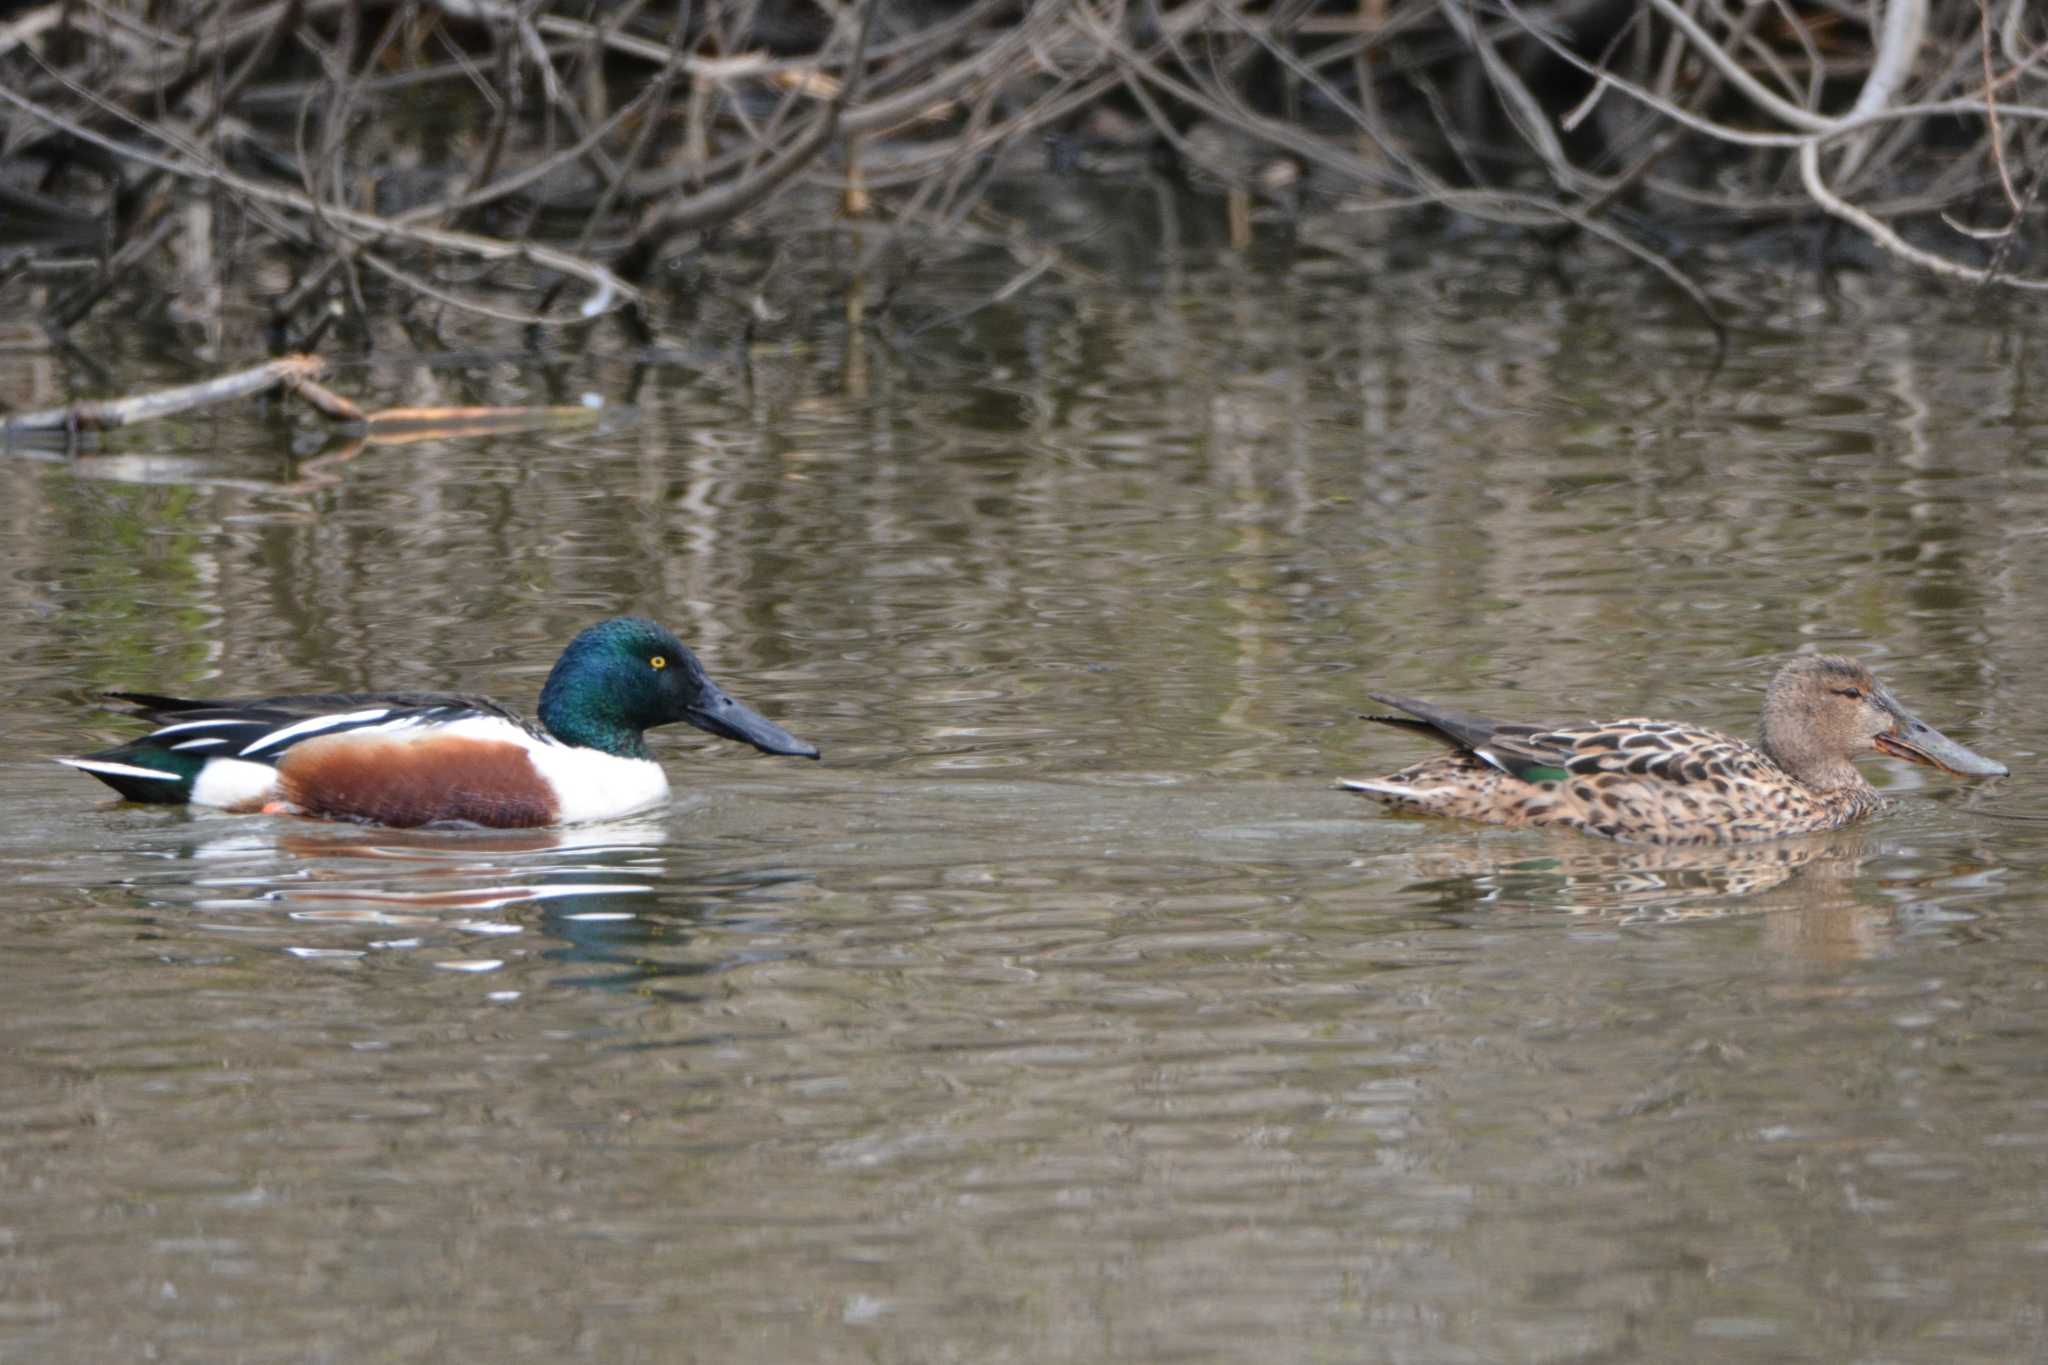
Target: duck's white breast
column 592, row 785
column 234, row 784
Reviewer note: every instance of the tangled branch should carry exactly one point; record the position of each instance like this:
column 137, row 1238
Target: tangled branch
column 497, row 157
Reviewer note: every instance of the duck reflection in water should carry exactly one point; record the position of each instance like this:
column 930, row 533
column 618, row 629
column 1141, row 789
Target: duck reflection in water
column 606, row 896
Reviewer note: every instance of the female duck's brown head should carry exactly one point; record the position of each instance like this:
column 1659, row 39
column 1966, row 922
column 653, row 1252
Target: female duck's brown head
column 1823, row 710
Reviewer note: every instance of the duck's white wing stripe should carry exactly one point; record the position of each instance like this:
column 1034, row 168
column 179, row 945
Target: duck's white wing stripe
column 185, row 725
column 313, row 726
column 101, row 765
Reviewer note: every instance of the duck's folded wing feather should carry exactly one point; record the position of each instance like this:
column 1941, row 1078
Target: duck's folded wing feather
column 1534, row 753
column 262, row 729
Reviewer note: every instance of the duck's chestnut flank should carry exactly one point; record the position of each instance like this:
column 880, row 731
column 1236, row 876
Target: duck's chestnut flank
column 1659, row 782
column 437, row 781
column 417, row 758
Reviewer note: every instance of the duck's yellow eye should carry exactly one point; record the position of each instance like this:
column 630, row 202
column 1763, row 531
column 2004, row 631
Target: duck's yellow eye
column 659, row 661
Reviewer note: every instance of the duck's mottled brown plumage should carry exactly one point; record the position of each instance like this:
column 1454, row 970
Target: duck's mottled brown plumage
column 1658, row 782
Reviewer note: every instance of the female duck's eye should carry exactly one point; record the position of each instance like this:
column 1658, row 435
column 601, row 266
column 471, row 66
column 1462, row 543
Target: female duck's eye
column 1852, row 693
column 659, row 661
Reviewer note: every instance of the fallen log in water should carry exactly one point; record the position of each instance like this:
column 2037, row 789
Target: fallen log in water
column 294, row 372
column 297, row 375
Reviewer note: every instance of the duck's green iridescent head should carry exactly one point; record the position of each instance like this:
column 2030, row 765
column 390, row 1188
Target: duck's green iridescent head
column 622, row 677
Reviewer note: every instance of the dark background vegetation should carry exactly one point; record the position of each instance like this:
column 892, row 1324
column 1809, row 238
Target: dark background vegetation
column 297, row 171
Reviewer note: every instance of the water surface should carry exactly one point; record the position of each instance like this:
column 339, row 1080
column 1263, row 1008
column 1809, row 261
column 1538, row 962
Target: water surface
column 1065, row 1011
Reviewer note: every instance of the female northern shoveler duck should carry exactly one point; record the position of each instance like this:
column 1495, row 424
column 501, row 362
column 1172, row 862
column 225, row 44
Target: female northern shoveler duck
column 1656, row 782
column 419, row 758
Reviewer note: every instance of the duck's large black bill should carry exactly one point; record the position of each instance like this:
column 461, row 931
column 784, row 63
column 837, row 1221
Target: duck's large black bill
column 720, row 715
column 1914, row 739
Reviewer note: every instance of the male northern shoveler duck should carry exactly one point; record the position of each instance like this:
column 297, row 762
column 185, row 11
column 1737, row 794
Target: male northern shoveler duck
column 1657, row 782
column 420, row 758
